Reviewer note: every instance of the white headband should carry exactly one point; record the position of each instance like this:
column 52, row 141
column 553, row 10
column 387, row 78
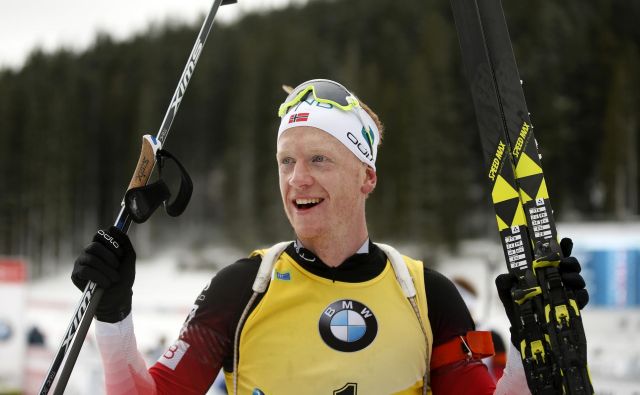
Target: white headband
column 354, row 128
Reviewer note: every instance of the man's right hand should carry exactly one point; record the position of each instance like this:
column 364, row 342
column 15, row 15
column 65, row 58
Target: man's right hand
column 109, row 261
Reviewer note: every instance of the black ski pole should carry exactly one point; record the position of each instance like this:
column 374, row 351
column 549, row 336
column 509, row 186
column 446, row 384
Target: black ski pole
column 85, row 311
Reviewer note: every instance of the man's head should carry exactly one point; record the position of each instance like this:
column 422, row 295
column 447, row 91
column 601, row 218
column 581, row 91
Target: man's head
column 329, row 106
column 326, row 151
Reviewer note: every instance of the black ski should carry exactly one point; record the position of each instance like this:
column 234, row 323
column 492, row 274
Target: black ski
column 554, row 350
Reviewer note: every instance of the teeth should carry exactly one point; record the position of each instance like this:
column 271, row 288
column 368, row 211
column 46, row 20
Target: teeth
column 307, row 201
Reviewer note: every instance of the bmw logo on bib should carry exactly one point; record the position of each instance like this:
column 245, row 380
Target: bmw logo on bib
column 347, row 325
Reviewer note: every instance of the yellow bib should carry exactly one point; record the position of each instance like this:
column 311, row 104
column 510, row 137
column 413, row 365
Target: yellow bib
column 311, row 335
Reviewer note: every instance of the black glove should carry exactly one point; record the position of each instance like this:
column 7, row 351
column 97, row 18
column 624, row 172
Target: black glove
column 569, row 269
column 109, row 261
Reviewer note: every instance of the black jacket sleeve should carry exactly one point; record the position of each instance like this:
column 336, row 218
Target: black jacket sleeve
column 211, row 325
column 448, row 314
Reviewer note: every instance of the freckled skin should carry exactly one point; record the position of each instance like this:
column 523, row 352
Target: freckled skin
column 314, row 164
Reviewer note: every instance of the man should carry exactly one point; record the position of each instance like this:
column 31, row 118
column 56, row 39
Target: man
column 330, row 313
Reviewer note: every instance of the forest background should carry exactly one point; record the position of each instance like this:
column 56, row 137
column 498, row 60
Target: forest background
column 71, row 123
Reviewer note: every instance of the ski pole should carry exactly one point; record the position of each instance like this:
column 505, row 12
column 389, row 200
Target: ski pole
column 85, row 311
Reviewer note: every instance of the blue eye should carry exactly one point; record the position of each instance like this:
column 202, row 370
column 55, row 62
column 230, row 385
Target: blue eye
column 319, row 158
column 286, row 161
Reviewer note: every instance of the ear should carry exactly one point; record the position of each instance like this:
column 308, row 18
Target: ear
column 370, row 181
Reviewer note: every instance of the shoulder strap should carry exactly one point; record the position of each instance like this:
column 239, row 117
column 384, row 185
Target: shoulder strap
column 397, row 262
column 260, row 284
column 400, row 269
column 408, row 288
column 266, row 266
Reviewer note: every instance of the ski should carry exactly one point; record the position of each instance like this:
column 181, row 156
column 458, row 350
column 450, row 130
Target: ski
column 553, row 349
column 77, row 330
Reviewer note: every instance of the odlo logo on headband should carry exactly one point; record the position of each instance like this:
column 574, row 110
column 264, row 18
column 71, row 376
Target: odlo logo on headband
column 369, row 139
column 347, row 325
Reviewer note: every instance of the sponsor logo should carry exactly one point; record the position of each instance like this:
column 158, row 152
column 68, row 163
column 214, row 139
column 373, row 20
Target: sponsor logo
column 522, row 138
column 283, row 276
column 186, row 76
column 497, row 159
column 313, row 102
column 299, row 117
column 141, row 174
column 361, row 147
column 369, row 137
column 182, row 85
column 108, row 238
column 84, row 303
column 257, row 391
column 203, row 294
column 174, row 354
column 301, row 253
column 347, row 325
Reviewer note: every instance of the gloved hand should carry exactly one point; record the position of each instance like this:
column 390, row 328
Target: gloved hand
column 569, row 269
column 109, row 261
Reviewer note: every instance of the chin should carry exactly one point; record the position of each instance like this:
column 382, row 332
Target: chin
column 306, row 232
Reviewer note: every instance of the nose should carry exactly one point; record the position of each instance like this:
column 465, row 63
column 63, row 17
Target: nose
column 300, row 177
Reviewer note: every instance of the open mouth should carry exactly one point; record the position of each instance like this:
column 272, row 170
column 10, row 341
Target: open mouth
column 305, row 204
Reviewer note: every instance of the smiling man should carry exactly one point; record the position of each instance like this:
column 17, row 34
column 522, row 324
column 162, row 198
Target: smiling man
column 329, row 313
column 324, row 188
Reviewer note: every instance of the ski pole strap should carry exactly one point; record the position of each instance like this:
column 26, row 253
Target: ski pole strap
column 178, row 206
column 473, row 345
column 142, row 202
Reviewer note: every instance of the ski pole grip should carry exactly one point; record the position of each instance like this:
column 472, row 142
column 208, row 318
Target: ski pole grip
column 146, row 162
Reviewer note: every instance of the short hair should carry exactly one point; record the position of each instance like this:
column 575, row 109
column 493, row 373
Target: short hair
column 375, row 118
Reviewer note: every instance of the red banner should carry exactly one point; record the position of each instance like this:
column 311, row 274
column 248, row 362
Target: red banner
column 12, row 271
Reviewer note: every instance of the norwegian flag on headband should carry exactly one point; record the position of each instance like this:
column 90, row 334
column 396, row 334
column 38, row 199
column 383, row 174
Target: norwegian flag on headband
column 299, row 117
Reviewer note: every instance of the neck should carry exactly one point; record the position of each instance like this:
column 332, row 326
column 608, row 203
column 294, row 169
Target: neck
column 335, row 250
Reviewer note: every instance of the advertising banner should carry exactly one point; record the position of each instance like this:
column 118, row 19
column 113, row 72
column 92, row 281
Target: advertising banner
column 13, row 276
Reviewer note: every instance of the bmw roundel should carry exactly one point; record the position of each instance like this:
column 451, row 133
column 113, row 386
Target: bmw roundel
column 347, row 325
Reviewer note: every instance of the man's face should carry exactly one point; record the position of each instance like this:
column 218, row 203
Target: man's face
column 323, row 185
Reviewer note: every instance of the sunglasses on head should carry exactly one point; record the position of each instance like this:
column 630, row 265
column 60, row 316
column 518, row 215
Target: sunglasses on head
column 323, row 91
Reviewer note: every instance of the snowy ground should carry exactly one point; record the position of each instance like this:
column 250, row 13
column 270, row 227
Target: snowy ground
column 163, row 295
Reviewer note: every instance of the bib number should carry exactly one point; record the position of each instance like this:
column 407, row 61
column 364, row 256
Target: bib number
column 347, row 389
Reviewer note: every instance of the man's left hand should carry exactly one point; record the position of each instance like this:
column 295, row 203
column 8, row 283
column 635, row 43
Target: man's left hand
column 569, row 269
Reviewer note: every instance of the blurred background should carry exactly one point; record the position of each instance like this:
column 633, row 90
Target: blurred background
column 81, row 82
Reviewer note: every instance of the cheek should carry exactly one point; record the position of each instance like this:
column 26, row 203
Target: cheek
column 349, row 188
column 283, row 186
